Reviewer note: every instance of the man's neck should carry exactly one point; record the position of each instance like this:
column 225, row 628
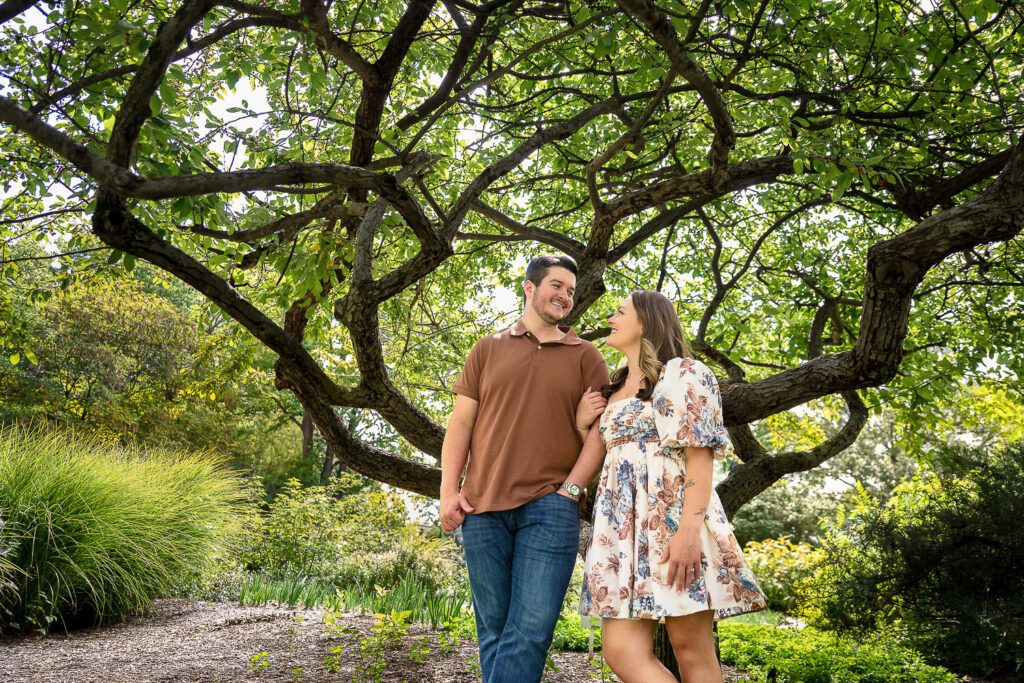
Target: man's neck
column 543, row 331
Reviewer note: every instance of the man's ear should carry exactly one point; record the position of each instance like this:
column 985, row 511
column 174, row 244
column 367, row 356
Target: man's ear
column 528, row 287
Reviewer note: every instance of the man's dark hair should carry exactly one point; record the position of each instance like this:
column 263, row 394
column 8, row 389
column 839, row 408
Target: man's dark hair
column 539, row 267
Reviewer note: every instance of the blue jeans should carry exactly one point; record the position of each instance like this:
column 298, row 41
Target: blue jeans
column 520, row 562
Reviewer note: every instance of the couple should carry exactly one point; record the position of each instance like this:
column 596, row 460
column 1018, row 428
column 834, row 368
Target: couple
column 538, row 412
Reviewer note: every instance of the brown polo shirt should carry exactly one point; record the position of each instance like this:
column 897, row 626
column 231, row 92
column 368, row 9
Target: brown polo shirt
column 524, row 441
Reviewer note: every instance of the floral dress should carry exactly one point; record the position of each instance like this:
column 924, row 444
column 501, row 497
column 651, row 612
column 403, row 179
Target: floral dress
column 640, row 499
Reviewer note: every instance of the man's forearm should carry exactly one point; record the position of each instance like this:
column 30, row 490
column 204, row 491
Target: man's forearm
column 454, row 453
column 589, row 463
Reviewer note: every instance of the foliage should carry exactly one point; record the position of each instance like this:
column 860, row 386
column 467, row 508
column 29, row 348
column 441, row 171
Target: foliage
column 781, row 568
column 943, row 559
column 572, row 636
column 400, row 160
column 791, row 507
column 418, row 595
column 387, row 634
column 290, row 591
column 359, row 538
column 139, row 359
column 97, row 531
column 811, row 656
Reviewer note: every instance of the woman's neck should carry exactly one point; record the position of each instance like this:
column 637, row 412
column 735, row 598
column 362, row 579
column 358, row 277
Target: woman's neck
column 633, row 362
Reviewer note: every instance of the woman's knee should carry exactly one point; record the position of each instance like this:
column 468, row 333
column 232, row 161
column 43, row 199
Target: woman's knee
column 617, row 654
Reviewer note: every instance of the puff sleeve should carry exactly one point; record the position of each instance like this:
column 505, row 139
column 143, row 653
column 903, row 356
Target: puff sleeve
column 688, row 408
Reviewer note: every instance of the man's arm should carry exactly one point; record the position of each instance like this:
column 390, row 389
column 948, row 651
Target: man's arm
column 454, row 454
column 589, row 463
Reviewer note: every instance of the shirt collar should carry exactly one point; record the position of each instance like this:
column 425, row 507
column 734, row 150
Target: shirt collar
column 570, row 338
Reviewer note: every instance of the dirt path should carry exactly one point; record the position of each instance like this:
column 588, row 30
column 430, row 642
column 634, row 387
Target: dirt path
column 213, row 643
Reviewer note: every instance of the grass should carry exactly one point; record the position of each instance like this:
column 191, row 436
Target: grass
column 413, row 594
column 95, row 532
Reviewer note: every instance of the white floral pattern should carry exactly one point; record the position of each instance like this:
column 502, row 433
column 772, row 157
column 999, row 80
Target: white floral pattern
column 640, row 498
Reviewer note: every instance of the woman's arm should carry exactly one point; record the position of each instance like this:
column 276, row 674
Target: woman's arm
column 683, row 550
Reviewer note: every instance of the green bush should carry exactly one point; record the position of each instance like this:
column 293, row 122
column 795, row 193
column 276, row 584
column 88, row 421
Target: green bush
column 348, row 534
column 572, row 636
column 95, row 532
column 811, row 656
column 305, row 530
column 942, row 561
column 781, row 568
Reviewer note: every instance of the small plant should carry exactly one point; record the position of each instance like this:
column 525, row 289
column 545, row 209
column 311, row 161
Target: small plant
column 297, row 674
column 259, row 662
column 420, row 651
column 387, row 634
column 446, row 641
column 473, row 661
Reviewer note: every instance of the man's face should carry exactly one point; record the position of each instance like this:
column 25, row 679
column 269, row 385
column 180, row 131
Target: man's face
column 551, row 300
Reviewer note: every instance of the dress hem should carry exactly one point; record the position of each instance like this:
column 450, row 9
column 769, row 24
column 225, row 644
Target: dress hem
column 720, row 614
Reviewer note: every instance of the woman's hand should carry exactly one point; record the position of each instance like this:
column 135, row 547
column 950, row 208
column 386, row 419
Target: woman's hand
column 684, row 559
column 589, row 409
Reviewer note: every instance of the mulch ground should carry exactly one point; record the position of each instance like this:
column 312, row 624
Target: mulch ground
column 213, row 643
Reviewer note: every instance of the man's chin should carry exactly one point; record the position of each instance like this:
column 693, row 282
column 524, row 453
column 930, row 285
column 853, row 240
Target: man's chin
column 551, row 319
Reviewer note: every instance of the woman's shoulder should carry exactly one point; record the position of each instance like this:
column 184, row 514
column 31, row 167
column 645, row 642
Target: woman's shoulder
column 682, row 367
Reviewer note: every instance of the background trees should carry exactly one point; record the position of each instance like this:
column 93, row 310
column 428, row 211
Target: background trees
column 832, row 193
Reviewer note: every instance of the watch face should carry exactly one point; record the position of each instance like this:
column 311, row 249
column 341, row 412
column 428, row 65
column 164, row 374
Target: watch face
column 572, row 488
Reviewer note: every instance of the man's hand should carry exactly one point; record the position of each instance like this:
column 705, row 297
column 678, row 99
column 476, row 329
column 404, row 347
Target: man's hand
column 590, row 408
column 453, row 511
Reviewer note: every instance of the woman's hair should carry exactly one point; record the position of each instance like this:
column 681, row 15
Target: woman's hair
column 661, row 340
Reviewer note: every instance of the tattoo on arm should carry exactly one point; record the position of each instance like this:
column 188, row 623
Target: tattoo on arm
column 700, row 513
column 689, row 483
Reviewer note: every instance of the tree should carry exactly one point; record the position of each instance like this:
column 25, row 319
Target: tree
column 795, row 175
column 941, row 559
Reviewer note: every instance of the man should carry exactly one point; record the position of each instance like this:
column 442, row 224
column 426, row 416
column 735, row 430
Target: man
column 524, row 405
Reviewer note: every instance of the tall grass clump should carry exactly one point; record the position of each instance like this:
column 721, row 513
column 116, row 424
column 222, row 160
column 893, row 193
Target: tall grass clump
column 92, row 532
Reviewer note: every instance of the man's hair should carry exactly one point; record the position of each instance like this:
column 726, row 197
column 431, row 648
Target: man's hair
column 539, row 267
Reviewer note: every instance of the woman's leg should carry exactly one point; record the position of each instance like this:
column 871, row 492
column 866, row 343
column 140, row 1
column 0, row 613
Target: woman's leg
column 694, row 647
column 628, row 646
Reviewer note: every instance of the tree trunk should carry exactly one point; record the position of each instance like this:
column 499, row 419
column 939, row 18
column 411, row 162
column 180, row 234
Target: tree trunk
column 325, row 473
column 307, row 434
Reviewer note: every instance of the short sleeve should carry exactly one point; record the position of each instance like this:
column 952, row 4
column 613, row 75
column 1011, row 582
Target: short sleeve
column 595, row 368
column 688, row 408
column 468, row 383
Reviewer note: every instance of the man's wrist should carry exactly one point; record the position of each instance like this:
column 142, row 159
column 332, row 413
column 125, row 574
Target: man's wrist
column 574, row 490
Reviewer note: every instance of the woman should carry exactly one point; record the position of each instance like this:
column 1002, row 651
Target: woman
column 662, row 547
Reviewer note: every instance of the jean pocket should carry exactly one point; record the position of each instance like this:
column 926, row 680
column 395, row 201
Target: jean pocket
column 568, row 501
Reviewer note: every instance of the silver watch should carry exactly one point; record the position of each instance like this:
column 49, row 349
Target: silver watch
column 573, row 490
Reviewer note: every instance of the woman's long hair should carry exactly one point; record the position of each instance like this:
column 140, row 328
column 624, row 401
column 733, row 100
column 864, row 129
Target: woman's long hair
column 661, row 340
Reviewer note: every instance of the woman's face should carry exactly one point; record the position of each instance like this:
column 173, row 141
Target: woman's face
column 626, row 327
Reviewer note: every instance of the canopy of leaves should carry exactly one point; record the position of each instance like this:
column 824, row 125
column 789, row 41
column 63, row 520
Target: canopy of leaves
column 831, row 192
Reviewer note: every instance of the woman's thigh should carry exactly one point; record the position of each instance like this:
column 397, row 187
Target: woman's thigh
column 691, row 632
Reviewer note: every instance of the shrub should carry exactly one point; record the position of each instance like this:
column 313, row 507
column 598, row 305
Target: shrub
column 95, row 532
column 572, row 636
column 348, row 535
column 811, row 656
column 305, row 530
column 942, row 560
column 781, row 568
